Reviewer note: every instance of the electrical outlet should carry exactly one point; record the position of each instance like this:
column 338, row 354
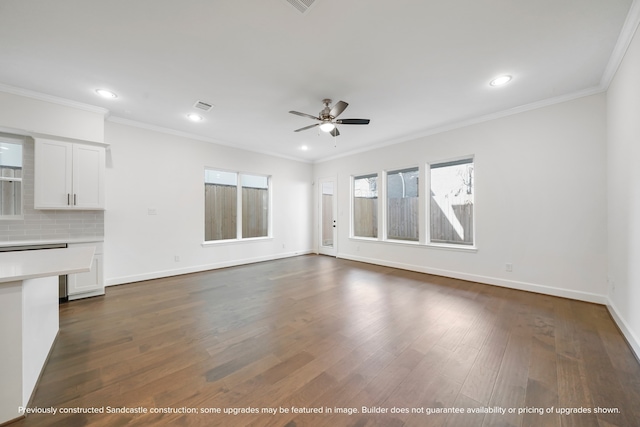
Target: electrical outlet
column 508, row 267
column 176, row 258
column 152, row 211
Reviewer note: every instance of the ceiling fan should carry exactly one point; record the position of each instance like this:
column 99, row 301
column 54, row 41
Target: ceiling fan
column 327, row 118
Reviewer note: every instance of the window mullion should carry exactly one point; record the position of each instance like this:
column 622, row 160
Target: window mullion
column 239, row 200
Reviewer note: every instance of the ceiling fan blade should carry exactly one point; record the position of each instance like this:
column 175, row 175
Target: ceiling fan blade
column 335, row 132
column 338, row 108
column 307, row 127
column 297, row 113
column 353, row 121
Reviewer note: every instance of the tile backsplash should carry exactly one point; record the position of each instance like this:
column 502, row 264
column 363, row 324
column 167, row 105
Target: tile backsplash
column 47, row 225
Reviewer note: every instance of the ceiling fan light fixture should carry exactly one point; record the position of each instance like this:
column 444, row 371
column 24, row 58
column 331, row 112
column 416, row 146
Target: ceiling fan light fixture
column 327, row 127
column 500, row 80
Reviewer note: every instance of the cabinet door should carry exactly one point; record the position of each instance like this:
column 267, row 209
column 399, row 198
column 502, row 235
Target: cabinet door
column 90, row 281
column 88, row 176
column 53, row 173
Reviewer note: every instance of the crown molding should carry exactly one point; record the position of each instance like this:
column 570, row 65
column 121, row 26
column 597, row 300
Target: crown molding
column 182, row 134
column 629, row 29
column 52, row 99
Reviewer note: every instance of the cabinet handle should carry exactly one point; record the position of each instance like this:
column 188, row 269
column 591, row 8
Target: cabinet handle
column 75, row 202
column 68, row 199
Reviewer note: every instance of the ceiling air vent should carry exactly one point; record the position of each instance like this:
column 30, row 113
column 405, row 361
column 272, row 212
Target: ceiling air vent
column 205, row 106
column 301, row 5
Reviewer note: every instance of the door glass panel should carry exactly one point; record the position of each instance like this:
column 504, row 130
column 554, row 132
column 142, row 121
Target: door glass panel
column 327, row 214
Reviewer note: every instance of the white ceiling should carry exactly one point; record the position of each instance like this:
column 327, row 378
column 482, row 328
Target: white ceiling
column 411, row 66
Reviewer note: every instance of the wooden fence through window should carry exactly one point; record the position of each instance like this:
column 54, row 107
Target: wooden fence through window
column 365, row 216
column 403, row 220
column 221, row 212
column 442, row 231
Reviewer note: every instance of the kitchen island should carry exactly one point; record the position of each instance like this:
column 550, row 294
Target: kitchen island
column 29, row 319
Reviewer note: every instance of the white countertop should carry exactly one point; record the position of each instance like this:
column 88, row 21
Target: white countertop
column 22, row 265
column 4, row 244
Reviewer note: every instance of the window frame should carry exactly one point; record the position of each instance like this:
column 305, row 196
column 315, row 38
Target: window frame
column 239, row 202
column 16, row 140
column 241, row 186
column 353, row 234
column 385, row 208
column 461, row 160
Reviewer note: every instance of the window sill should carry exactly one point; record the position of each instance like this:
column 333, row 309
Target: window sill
column 387, row 241
column 366, row 239
column 403, row 242
column 459, row 248
column 235, row 241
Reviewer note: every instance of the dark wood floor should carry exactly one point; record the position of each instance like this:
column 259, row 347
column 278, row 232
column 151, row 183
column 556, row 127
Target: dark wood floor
column 314, row 332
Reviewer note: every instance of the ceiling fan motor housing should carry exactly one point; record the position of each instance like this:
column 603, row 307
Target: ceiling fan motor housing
column 325, row 114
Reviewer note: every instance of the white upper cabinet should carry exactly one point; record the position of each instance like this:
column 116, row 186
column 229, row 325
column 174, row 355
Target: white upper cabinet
column 88, row 176
column 69, row 175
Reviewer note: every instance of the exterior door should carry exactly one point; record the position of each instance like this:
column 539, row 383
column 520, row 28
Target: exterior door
column 328, row 227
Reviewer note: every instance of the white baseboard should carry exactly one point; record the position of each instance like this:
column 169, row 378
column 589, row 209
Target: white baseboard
column 198, row 268
column 631, row 338
column 512, row 284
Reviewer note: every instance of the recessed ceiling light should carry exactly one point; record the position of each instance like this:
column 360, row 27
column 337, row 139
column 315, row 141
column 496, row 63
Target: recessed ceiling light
column 304, row 148
column 501, row 80
column 194, row 117
column 106, row 93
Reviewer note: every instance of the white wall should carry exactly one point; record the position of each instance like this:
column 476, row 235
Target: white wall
column 540, row 200
column 153, row 170
column 623, row 174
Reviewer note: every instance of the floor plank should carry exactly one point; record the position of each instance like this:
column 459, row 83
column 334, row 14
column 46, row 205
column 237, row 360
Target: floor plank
column 362, row 345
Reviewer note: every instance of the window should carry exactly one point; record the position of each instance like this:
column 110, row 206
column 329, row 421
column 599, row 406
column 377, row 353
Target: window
column 365, row 206
column 228, row 217
column 10, row 178
column 255, row 205
column 451, row 205
column 402, row 204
